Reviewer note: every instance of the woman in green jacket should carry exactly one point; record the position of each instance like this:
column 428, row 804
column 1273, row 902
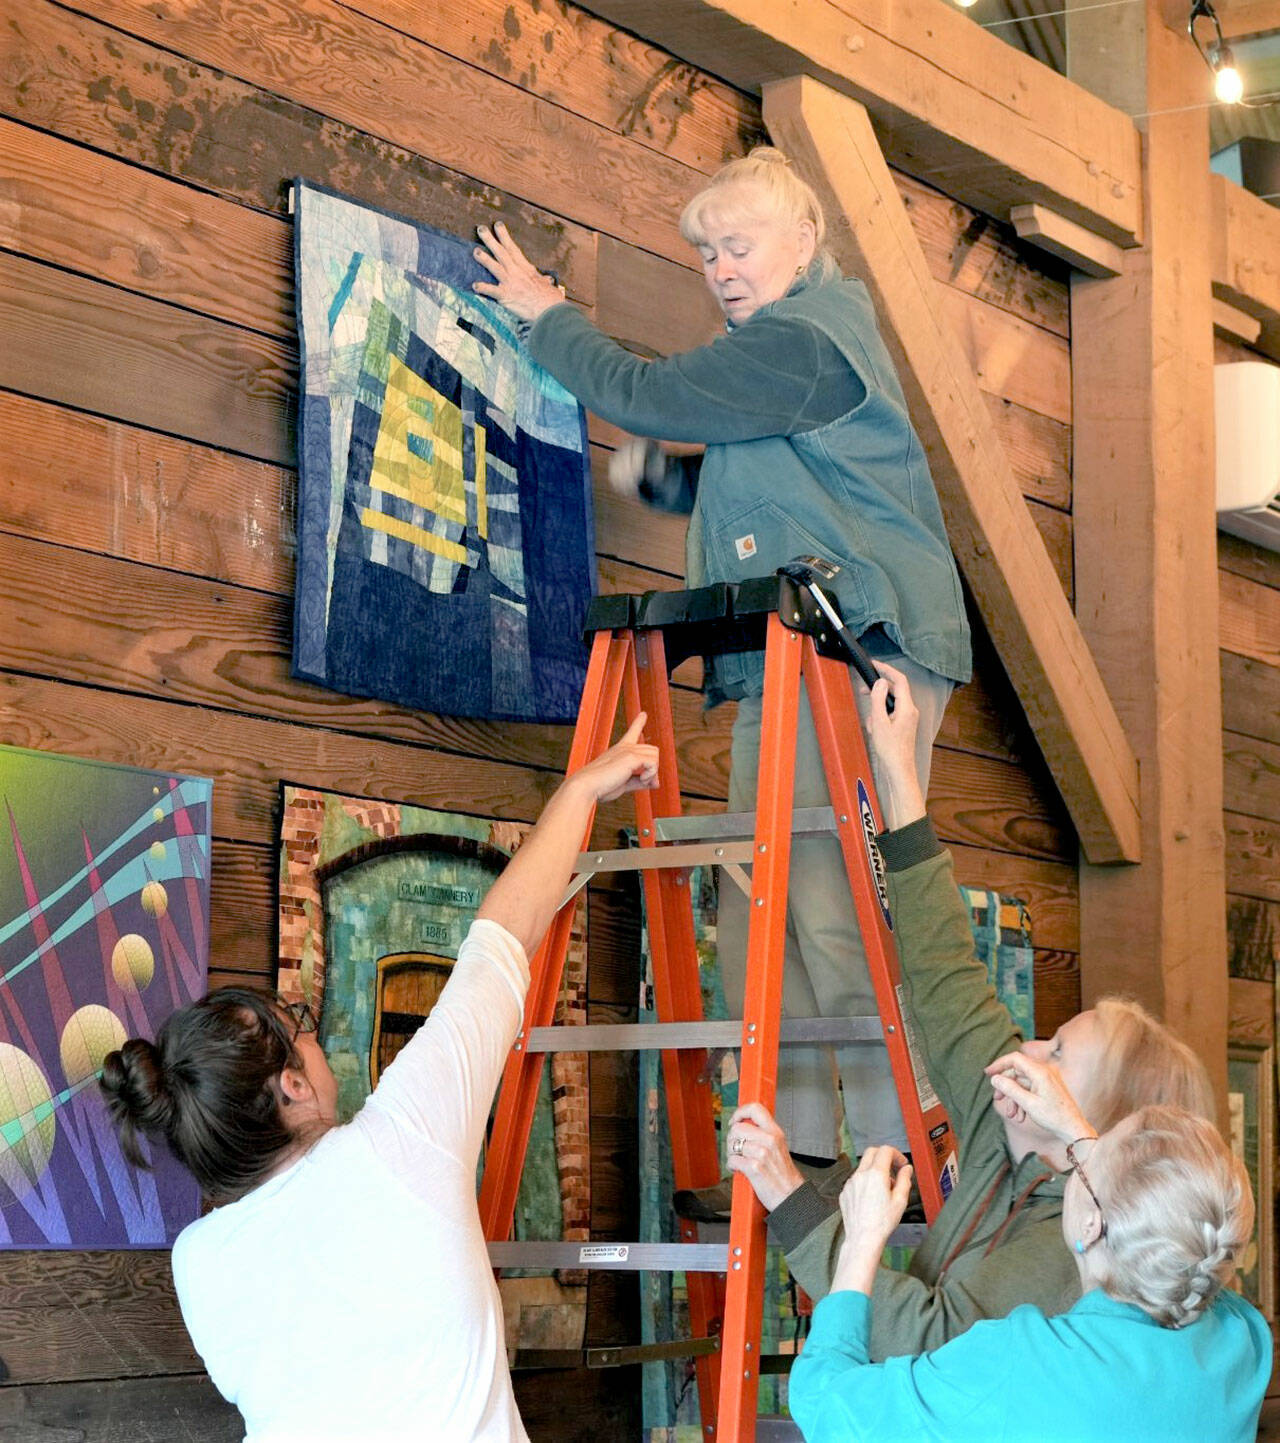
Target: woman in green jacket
column 996, row 1243
column 808, row 450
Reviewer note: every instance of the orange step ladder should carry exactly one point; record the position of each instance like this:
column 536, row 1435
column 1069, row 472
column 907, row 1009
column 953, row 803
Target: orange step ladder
column 638, row 641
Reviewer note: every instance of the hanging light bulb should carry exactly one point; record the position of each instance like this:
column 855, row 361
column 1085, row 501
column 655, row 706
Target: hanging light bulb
column 1227, row 85
column 966, row 4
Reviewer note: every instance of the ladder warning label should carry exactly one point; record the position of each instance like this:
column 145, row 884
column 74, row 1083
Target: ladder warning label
column 599, row 1253
column 924, row 1088
column 874, row 859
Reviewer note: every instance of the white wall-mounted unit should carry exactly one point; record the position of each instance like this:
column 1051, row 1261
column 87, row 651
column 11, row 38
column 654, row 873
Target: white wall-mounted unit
column 1247, row 423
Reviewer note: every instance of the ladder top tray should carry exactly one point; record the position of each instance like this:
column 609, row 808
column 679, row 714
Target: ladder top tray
column 718, row 620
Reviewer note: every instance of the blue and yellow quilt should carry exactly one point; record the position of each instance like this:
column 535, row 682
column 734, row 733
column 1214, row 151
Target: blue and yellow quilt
column 445, row 547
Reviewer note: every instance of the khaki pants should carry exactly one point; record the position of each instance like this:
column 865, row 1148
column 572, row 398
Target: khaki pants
column 825, row 973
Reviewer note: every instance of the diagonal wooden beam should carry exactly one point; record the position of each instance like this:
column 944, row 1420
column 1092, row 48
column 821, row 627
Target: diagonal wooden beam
column 830, row 139
column 952, row 103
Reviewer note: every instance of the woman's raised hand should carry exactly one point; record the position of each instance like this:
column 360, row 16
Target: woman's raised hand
column 871, row 1205
column 630, row 765
column 518, row 284
column 757, row 1148
column 891, row 736
column 1026, row 1088
column 875, row 1197
column 530, row 890
column 628, row 464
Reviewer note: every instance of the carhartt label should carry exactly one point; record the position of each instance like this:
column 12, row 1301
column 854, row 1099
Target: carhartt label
column 746, row 547
column 600, row 1254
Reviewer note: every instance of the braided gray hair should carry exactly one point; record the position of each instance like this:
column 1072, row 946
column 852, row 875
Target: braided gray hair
column 1179, row 1211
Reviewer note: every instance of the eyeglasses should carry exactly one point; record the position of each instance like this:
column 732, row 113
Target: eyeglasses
column 1078, row 1168
column 302, row 1017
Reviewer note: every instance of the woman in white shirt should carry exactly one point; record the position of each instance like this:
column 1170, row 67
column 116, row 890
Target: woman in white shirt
column 341, row 1288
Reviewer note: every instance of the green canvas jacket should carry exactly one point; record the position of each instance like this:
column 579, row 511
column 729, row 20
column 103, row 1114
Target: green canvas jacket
column 1013, row 1255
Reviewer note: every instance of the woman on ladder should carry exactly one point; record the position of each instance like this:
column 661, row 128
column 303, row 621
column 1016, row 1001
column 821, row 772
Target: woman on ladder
column 808, row 450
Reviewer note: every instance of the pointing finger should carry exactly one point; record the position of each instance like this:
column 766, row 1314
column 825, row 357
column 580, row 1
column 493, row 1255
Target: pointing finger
column 632, row 733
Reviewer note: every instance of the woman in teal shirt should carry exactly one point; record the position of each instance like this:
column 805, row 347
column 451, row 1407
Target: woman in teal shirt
column 1156, row 1350
column 808, row 450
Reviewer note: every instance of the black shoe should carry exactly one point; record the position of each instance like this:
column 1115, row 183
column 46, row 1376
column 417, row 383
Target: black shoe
column 705, row 1204
column 713, row 1204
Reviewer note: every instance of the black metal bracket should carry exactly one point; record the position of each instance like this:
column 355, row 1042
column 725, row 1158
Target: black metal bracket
column 732, row 617
column 814, row 607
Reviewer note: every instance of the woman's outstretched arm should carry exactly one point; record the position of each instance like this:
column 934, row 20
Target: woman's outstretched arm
column 528, row 894
column 440, row 1087
column 773, row 376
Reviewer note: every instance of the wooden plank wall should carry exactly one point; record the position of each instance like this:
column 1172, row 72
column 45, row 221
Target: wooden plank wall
column 1249, row 627
column 1249, row 591
column 146, row 497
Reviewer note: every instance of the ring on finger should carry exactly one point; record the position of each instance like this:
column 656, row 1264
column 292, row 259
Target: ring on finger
column 737, row 1145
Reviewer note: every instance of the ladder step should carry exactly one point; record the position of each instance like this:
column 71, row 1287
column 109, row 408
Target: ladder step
column 645, row 1257
column 698, row 841
column 613, row 1257
column 675, row 1036
column 653, row 859
column 905, row 1235
column 621, row 1355
column 736, row 826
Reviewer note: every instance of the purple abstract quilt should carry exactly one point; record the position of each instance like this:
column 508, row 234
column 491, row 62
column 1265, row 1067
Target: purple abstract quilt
column 104, row 930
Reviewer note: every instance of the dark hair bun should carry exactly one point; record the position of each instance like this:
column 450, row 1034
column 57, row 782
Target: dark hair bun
column 137, row 1093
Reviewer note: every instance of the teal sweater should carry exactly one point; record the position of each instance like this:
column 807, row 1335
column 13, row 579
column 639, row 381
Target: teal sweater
column 1100, row 1373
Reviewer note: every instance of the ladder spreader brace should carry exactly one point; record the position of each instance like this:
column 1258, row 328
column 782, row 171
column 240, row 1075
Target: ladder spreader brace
column 637, row 642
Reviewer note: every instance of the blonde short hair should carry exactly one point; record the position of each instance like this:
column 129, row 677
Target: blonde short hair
column 761, row 185
column 1178, row 1210
column 1141, row 1062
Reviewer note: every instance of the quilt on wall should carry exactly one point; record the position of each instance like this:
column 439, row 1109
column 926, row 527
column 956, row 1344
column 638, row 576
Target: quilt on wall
column 445, row 544
column 1002, row 941
column 104, row 930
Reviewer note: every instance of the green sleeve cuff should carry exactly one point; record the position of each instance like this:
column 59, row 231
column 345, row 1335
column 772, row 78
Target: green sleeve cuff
column 550, row 324
column 798, row 1214
column 910, row 845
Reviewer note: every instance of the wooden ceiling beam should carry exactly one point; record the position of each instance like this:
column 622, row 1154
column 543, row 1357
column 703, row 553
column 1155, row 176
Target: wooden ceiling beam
column 1245, row 17
column 1244, row 251
column 1234, row 324
column 951, row 103
column 1244, row 258
column 830, row 139
column 1080, row 248
column 1238, row 18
